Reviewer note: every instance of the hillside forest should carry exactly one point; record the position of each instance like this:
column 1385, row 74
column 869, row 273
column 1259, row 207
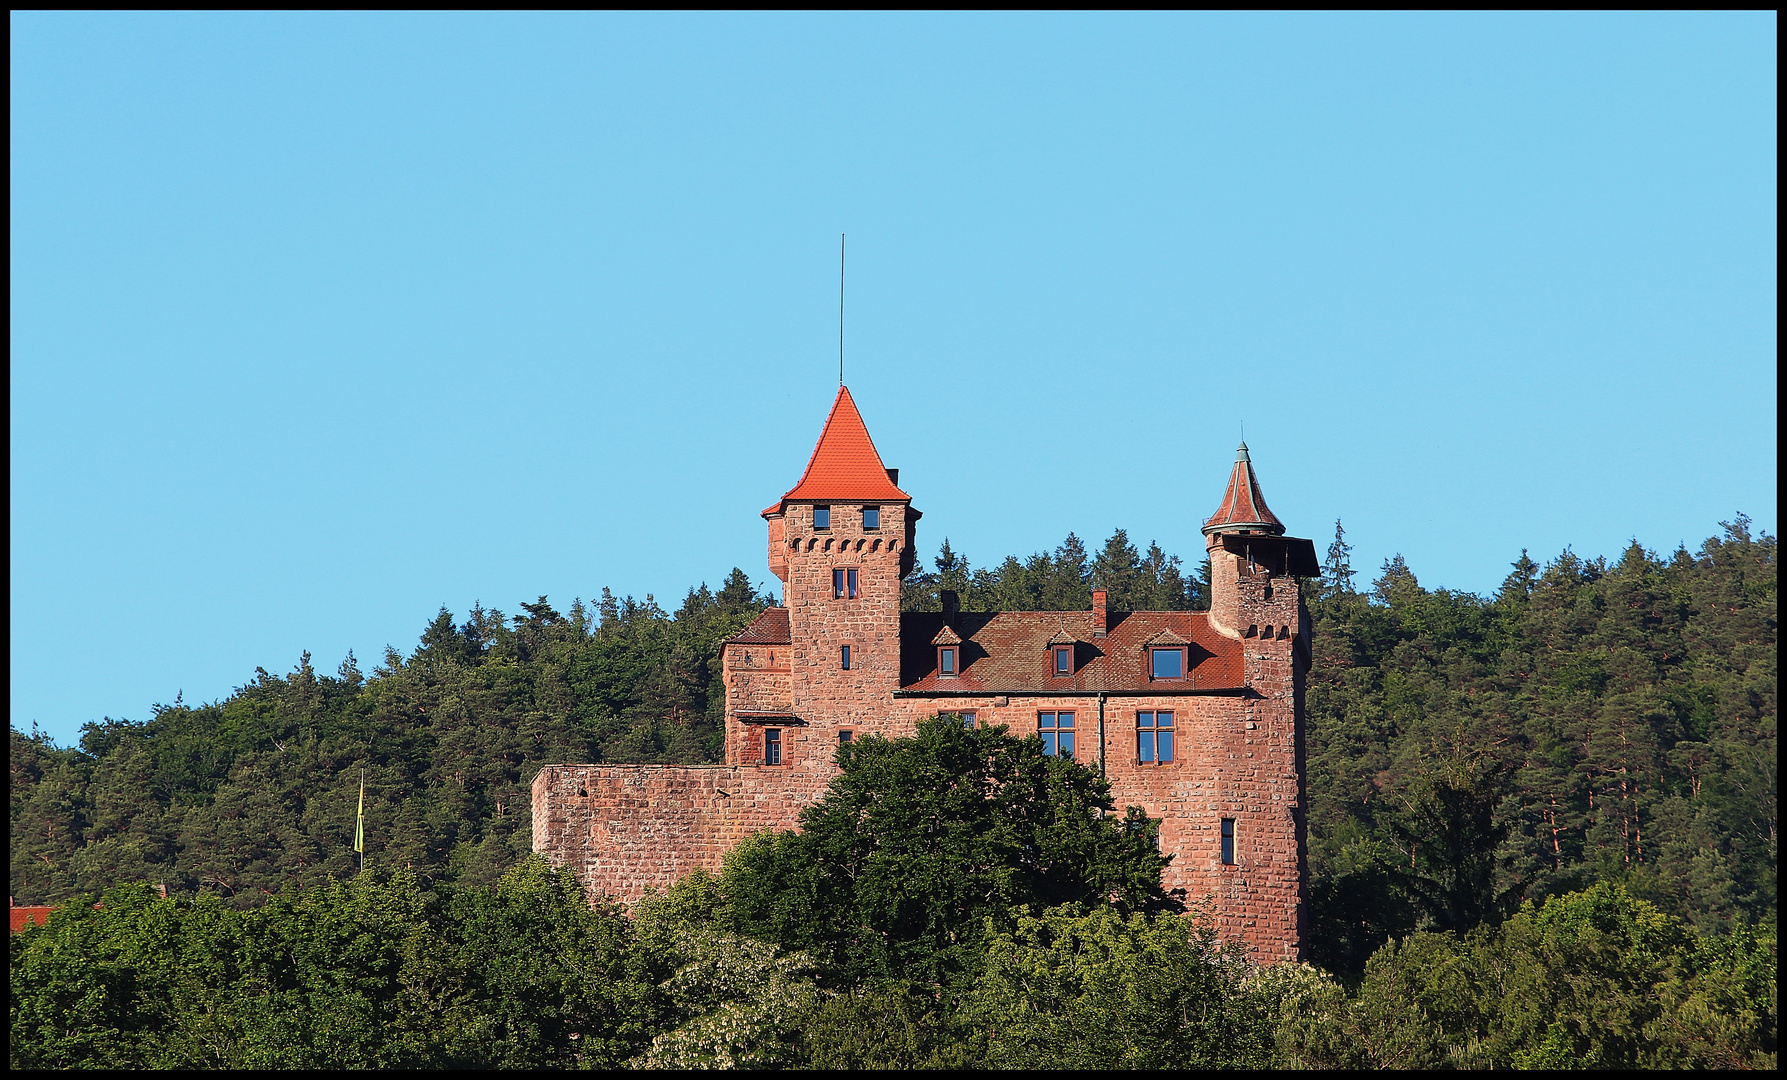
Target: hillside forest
column 1605, row 721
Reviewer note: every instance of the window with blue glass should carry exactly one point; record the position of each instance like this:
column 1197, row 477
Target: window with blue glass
column 772, row 746
column 1228, row 841
column 1154, row 737
column 967, row 719
column 1056, row 729
column 821, row 517
column 844, row 660
column 843, row 584
column 871, row 517
column 1063, row 660
column 1168, row 663
column 946, row 661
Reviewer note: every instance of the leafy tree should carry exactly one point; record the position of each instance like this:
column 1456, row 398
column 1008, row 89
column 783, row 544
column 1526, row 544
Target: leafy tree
column 919, row 842
column 1078, row 989
column 1595, row 979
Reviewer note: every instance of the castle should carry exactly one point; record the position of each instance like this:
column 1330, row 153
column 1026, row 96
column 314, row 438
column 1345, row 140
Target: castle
column 1197, row 717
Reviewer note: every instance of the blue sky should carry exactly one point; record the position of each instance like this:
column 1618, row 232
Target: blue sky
column 320, row 322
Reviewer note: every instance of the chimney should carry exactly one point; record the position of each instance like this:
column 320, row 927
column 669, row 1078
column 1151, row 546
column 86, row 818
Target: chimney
column 893, row 477
column 1098, row 619
column 951, row 604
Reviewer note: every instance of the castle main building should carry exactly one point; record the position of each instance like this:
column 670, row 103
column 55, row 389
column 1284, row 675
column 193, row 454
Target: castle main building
column 1197, row 717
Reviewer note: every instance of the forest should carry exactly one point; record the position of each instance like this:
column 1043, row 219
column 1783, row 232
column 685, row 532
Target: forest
column 1542, row 830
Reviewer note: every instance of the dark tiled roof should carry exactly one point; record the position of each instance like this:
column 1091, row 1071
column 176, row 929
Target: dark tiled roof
column 769, row 628
column 844, row 465
column 1008, row 652
column 1242, row 504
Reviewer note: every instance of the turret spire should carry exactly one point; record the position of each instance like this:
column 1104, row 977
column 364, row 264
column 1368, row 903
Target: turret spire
column 1243, row 507
column 844, row 466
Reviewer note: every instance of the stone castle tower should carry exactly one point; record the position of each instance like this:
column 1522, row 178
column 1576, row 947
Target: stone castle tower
column 1197, row 717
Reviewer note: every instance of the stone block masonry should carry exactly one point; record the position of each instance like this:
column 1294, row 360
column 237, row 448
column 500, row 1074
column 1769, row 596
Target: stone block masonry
column 841, row 541
column 627, row 829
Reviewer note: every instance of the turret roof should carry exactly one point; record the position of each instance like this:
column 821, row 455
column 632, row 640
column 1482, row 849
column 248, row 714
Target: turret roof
column 1243, row 507
column 844, row 466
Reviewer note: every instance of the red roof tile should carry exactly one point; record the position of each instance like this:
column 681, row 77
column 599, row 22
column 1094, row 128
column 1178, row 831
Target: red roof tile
column 1008, row 652
column 844, row 465
column 27, row 916
column 768, row 628
column 1243, row 507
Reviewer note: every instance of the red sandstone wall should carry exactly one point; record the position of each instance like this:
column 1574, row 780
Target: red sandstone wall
column 757, row 679
column 1236, row 756
column 630, row 828
column 826, row 696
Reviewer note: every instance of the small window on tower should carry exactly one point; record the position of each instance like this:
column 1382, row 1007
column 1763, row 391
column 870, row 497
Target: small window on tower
column 821, row 517
column 946, row 661
column 1228, row 841
column 1063, row 660
column 845, row 737
column 843, row 584
column 772, row 746
column 871, row 517
column 844, row 658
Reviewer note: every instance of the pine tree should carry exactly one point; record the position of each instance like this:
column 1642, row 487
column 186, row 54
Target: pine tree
column 1116, row 570
column 1337, row 571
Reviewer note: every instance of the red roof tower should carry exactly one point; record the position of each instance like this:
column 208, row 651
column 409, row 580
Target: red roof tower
column 844, row 466
column 1243, row 508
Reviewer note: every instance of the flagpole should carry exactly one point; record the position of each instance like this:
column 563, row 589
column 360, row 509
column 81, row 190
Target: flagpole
column 360, row 824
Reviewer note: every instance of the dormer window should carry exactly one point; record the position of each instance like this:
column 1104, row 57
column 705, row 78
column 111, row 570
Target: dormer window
column 1060, row 655
column 1167, row 662
column 871, row 517
column 949, row 652
column 1167, row 655
column 821, row 517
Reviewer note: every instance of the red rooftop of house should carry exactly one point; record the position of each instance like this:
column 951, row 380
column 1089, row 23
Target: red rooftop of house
column 844, row 466
column 28, row 916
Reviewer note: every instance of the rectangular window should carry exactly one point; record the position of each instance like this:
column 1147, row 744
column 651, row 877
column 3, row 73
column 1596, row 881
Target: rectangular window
column 772, row 746
column 1154, row 737
column 843, row 584
column 844, row 737
column 1228, row 841
column 1056, row 729
column 871, row 517
column 1169, row 663
column 1063, row 661
column 946, row 660
column 968, row 720
column 844, row 660
column 821, row 517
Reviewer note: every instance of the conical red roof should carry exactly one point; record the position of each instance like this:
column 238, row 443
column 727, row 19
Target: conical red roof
column 1243, row 507
column 844, row 466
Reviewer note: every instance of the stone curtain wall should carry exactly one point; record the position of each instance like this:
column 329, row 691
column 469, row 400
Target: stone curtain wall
column 625, row 829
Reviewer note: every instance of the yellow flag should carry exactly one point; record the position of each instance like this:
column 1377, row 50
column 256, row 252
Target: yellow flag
column 360, row 820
